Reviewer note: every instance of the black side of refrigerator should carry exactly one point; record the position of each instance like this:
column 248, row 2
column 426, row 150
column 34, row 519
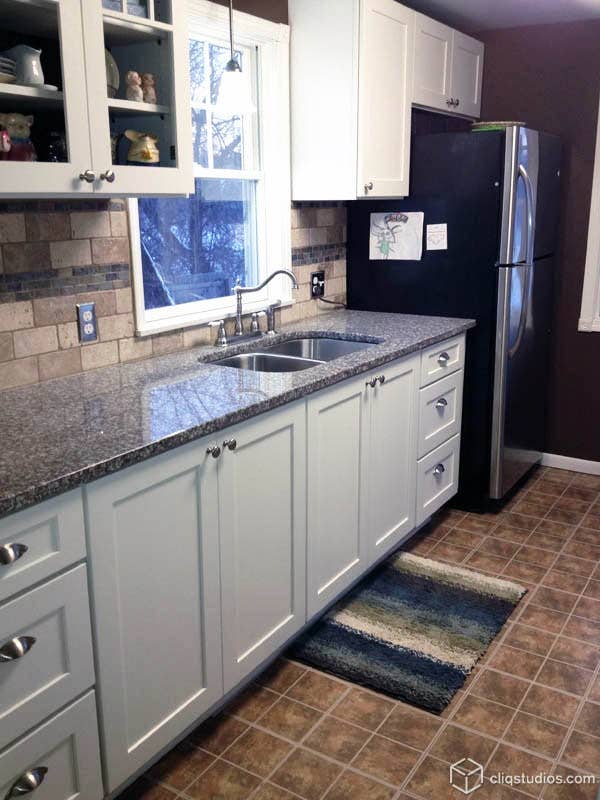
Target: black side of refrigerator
column 457, row 180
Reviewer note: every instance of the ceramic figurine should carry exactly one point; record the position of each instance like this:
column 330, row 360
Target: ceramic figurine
column 18, row 128
column 5, row 142
column 134, row 86
column 143, row 150
column 28, row 64
column 113, row 79
column 149, row 87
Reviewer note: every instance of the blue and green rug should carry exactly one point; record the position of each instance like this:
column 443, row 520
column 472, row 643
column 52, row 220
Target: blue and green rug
column 413, row 629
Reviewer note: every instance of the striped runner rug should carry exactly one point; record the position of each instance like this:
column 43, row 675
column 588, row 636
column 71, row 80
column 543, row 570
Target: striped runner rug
column 413, row 629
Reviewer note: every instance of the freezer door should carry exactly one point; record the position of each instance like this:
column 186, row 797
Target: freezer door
column 522, row 346
column 520, row 196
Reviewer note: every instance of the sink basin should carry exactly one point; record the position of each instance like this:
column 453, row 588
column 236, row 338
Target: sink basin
column 317, row 349
column 267, row 362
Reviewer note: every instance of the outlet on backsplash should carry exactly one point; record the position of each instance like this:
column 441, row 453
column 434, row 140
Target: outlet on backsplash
column 317, row 283
column 86, row 319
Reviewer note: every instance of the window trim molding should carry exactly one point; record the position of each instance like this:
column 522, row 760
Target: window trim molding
column 212, row 20
column 590, row 296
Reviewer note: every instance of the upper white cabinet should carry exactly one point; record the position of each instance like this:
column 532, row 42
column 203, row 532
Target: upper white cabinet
column 76, row 128
column 351, row 91
column 448, row 68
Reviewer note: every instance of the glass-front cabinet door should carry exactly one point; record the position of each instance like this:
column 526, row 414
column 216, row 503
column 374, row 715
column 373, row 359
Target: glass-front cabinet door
column 138, row 96
column 44, row 136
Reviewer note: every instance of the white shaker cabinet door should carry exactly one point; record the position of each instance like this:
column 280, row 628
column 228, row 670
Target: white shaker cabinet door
column 433, row 60
column 153, row 559
column 338, row 446
column 384, row 98
column 262, row 514
column 467, row 74
column 393, row 455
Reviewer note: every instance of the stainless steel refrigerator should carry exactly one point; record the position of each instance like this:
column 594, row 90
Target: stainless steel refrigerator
column 498, row 192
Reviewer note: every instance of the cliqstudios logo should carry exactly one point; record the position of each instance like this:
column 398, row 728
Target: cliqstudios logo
column 466, row 775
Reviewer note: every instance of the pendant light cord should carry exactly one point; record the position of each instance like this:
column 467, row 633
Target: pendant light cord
column 231, row 28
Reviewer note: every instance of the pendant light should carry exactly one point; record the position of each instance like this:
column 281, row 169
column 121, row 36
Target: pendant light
column 234, row 91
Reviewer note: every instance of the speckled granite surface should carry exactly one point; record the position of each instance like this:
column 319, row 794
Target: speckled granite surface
column 56, row 435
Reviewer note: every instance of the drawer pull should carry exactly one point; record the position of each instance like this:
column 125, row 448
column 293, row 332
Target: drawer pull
column 28, row 782
column 372, row 383
column 441, row 403
column 214, row 451
column 439, row 470
column 230, row 444
column 16, row 648
column 381, row 379
column 9, row 553
column 443, row 359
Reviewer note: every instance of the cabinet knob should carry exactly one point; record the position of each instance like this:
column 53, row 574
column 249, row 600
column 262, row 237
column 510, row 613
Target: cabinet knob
column 439, row 470
column 108, row 176
column 381, row 379
column 16, row 648
column 88, row 176
column 214, row 451
column 450, row 102
column 9, row 553
column 441, row 403
column 457, row 102
column 443, row 359
column 28, row 782
column 230, row 444
column 372, row 383
column 369, row 186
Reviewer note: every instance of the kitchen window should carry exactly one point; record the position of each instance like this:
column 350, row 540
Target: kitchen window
column 188, row 253
column 589, row 319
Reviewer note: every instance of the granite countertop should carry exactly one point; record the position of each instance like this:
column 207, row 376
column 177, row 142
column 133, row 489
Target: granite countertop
column 68, row 431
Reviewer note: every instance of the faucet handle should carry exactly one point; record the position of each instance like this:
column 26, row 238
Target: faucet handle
column 255, row 325
column 221, row 335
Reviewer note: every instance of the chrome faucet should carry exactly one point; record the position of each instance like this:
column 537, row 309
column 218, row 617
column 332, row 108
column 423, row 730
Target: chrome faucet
column 240, row 290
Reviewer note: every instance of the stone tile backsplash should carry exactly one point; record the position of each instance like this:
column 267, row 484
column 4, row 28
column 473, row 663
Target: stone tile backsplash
column 54, row 254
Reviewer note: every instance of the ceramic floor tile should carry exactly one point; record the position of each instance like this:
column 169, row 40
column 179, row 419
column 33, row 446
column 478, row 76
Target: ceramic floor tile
column 583, row 751
column 551, row 705
column 565, row 677
column 351, row 786
column 410, row 726
column 588, row 720
column 569, row 791
column 363, row 708
column 530, row 639
column 386, row 760
column 511, row 761
column 337, row 739
column 143, row 789
column 431, row 780
column 504, row 689
column 516, row 662
column 281, row 675
column 223, row 781
column 289, row 718
column 534, row 733
column 455, row 743
column 181, row 766
column 257, row 752
column 577, row 653
column 306, row 774
column 252, row 703
column 216, row 734
column 484, row 715
column 316, row 689
column 268, row 791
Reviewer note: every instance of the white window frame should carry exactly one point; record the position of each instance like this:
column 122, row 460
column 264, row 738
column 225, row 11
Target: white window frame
column 207, row 19
column 590, row 298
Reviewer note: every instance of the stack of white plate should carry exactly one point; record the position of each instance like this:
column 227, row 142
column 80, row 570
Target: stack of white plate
column 8, row 70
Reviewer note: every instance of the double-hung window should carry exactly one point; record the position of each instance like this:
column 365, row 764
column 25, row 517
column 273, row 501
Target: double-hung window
column 189, row 253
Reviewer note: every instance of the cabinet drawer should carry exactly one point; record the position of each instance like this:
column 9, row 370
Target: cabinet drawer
column 442, row 359
column 440, row 409
column 437, row 478
column 65, row 754
column 51, row 537
column 53, row 621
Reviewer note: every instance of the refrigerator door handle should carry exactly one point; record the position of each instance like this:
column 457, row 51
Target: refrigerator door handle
column 524, row 313
column 530, row 214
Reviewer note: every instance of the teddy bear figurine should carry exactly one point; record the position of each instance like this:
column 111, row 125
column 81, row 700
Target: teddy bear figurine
column 149, row 87
column 18, row 129
column 134, row 86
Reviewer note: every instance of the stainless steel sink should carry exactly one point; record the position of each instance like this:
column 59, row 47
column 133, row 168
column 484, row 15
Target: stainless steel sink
column 317, row 349
column 266, row 362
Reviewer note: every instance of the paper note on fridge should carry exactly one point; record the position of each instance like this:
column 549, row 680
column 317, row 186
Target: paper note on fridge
column 437, row 237
column 396, row 236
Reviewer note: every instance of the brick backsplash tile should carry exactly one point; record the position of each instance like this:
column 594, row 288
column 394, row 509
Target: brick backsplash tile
column 118, row 223
column 68, row 335
column 6, row 347
column 12, row 228
column 167, row 343
column 32, row 341
column 124, row 299
column 197, row 337
column 110, row 251
column 75, row 253
column 300, row 237
column 52, row 310
column 25, row 257
column 318, row 236
column 99, row 355
column 47, row 227
column 90, row 224
column 106, row 302
column 15, row 316
column 19, row 373
column 56, row 365
column 118, row 326
column 133, row 349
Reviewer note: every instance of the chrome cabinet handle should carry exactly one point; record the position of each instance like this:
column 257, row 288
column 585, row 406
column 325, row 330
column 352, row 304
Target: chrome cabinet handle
column 9, row 553
column 381, row 379
column 441, row 403
column 457, row 102
column 88, row 176
column 369, row 186
column 439, row 470
column 450, row 102
column 230, row 444
column 443, row 359
column 214, row 451
column 108, row 176
column 16, row 648
column 28, row 782
column 372, row 383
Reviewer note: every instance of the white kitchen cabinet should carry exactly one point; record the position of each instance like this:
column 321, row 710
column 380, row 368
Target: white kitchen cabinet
column 262, row 514
column 154, row 567
column 73, row 35
column 448, row 68
column 351, row 92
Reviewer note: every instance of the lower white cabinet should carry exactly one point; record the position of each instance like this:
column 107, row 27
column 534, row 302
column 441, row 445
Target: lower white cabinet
column 437, row 478
column 262, row 515
column 153, row 550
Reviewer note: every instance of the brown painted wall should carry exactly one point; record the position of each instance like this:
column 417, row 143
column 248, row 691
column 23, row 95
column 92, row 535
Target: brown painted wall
column 275, row 10
column 549, row 76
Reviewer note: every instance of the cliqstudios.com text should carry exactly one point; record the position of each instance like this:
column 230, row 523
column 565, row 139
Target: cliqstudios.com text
column 542, row 779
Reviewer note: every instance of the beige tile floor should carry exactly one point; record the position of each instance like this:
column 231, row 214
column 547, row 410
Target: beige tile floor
column 532, row 705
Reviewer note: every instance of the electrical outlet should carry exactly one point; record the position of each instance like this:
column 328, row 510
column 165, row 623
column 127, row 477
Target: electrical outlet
column 317, row 283
column 86, row 319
